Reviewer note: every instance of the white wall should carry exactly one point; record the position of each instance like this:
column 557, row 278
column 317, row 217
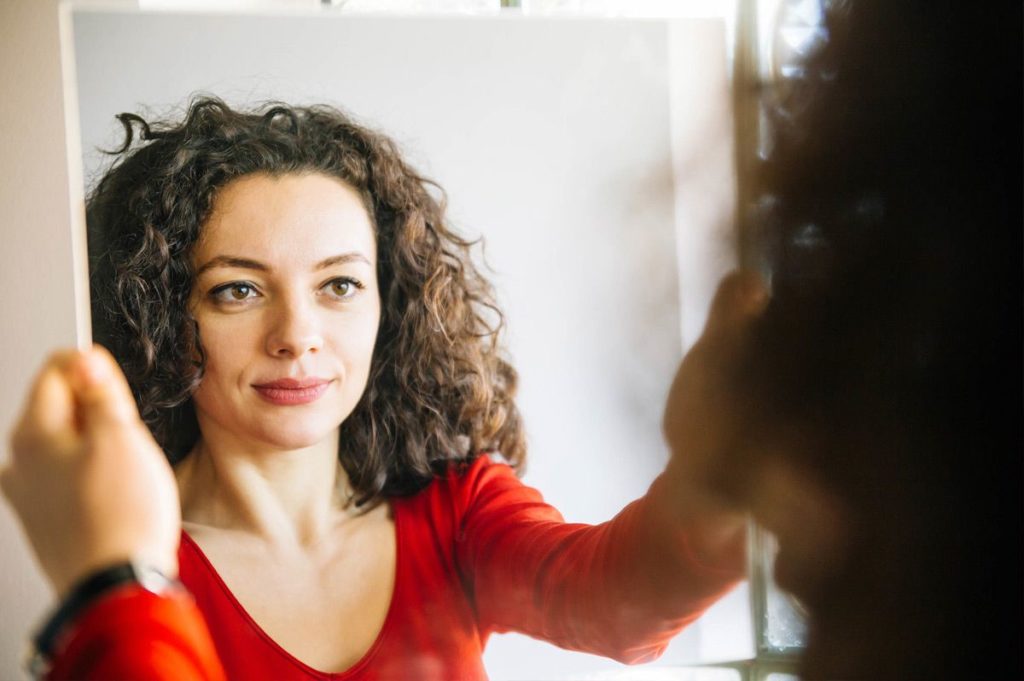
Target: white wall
column 553, row 140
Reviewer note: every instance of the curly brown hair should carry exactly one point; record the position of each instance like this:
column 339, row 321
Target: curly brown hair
column 439, row 389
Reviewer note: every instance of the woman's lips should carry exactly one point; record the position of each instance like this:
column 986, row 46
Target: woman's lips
column 292, row 391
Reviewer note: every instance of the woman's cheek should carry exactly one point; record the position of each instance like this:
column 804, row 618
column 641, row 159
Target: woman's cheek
column 223, row 346
column 358, row 337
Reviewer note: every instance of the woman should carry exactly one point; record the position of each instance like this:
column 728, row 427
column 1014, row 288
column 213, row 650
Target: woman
column 318, row 357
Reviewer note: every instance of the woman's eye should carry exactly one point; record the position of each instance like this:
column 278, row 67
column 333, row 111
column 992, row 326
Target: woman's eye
column 343, row 287
column 233, row 293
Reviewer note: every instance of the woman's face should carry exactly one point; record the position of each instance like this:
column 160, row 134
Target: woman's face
column 287, row 304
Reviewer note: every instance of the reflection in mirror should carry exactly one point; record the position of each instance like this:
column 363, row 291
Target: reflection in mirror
column 592, row 156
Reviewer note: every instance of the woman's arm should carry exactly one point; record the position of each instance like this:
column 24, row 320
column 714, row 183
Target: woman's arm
column 93, row 490
column 623, row 588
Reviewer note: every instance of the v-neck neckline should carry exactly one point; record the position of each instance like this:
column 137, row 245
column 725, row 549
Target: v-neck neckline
column 367, row 656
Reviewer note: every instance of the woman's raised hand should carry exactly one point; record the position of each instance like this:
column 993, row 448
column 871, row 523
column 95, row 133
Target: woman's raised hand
column 88, row 482
column 702, row 421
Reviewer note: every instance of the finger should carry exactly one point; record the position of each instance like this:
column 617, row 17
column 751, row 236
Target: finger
column 12, row 485
column 740, row 298
column 7, row 480
column 49, row 409
column 102, row 392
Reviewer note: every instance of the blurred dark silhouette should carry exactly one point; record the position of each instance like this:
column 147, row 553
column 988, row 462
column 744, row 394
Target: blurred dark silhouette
column 886, row 372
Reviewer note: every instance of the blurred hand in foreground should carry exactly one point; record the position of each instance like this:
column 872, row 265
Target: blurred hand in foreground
column 88, row 482
column 703, row 420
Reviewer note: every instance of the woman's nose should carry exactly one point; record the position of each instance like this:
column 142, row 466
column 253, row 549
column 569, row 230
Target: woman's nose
column 295, row 330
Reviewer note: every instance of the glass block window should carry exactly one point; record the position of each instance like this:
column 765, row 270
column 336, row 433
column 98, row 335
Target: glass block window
column 782, row 624
column 774, row 38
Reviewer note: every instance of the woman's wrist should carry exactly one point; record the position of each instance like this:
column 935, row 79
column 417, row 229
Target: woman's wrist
column 85, row 593
column 716, row 534
column 713, row 532
column 72, row 573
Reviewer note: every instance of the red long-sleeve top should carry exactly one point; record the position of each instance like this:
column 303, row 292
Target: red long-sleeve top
column 478, row 552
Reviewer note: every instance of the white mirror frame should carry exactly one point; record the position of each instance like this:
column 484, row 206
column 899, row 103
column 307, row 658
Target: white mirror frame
column 42, row 260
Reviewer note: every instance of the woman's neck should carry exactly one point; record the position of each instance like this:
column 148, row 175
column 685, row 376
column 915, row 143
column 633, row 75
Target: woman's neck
column 292, row 498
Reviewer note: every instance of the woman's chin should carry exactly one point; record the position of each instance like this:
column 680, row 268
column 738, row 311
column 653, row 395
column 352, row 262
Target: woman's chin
column 304, row 440
column 301, row 421
column 293, row 434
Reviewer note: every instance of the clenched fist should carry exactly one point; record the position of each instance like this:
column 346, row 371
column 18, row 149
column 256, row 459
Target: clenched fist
column 88, row 482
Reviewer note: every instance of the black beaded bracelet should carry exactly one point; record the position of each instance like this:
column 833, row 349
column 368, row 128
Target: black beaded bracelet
column 85, row 593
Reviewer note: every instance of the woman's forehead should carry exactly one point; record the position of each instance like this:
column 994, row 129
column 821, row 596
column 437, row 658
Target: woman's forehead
column 291, row 219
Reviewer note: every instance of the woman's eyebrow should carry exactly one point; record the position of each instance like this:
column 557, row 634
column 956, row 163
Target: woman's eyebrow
column 343, row 258
column 249, row 264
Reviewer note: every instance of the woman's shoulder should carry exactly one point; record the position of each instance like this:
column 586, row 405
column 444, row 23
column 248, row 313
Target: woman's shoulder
column 483, row 486
column 463, row 479
column 460, row 486
column 470, row 469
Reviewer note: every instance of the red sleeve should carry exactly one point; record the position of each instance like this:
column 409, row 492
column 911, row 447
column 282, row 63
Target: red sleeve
column 135, row 634
column 621, row 589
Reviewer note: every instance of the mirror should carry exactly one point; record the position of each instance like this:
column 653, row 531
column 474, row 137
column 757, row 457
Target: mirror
column 593, row 156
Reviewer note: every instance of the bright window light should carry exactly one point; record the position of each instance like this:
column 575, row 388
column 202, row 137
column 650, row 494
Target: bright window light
column 229, row 5
column 633, row 8
column 417, row 6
